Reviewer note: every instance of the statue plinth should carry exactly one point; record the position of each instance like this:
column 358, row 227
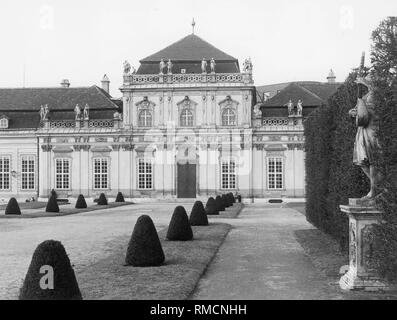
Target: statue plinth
column 362, row 274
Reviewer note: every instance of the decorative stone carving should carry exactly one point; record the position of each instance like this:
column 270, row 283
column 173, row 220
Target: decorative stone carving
column 77, row 112
column 46, row 147
column 212, row 64
column 116, row 147
column 86, row 112
column 128, row 147
column 44, row 111
column 127, row 67
column 204, row 66
column 169, row 66
column 162, row 66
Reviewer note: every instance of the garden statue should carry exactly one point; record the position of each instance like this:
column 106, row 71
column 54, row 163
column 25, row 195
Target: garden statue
column 77, row 112
column 169, row 66
column 86, row 112
column 366, row 143
column 162, row 66
column 127, row 67
column 300, row 107
column 204, row 66
column 213, row 64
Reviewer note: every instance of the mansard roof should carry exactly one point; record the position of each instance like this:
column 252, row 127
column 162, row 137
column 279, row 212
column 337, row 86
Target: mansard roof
column 22, row 105
column 189, row 48
column 187, row 54
column 311, row 93
column 29, row 99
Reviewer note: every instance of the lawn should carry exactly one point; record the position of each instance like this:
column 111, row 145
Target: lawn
column 63, row 211
column 185, row 263
column 27, row 205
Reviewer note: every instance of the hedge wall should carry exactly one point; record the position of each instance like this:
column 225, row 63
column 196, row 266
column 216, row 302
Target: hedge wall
column 331, row 177
column 384, row 62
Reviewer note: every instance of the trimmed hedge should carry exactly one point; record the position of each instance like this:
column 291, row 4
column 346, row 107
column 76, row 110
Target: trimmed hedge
column 198, row 216
column 120, row 197
column 52, row 205
column 225, row 201
column 219, row 204
column 144, row 248
column 179, row 228
column 80, row 203
column 13, row 207
column 210, row 207
column 102, row 201
column 51, row 253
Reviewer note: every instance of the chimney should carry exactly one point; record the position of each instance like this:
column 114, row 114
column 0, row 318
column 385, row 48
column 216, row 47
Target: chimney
column 65, row 83
column 331, row 77
column 106, row 83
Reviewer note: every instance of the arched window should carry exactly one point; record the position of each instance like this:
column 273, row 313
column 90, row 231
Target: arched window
column 228, row 117
column 145, row 118
column 186, row 118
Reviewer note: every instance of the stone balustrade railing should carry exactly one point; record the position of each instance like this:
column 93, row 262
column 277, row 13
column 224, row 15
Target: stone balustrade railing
column 138, row 79
column 72, row 124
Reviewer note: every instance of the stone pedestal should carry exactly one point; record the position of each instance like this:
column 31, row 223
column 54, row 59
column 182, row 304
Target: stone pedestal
column 362, row 274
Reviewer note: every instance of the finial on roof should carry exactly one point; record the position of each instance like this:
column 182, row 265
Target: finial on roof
column 331, row 76
column 193, row 25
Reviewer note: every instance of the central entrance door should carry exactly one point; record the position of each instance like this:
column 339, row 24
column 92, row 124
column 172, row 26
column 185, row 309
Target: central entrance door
column 186, row 180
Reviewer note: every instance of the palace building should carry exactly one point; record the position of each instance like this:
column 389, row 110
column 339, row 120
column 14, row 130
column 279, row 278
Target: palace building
column 190, row 124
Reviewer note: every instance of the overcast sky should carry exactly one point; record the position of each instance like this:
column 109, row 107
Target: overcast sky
column 82, row 39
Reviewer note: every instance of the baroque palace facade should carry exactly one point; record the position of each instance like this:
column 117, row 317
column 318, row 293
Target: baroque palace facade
column 190, row 124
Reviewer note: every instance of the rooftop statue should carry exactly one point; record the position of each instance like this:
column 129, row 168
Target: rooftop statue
column 86, row 112
column 204, row 66
column 213, row 64
column 366, row 143
column 77, row 112
column 44, row 110
column 247, row 66
column 162, row 66
column 169, row 66
column 290, row 106
column 299, row 107
column 127, row 67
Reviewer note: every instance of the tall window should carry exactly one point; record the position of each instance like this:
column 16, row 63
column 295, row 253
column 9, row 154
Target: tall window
column 4, row 173
column 228, row 174
column 62, row 175
column 275, row 173
column 145, row 174
column 186, row 118
column 3, row 123
column 101, row 173
column 228, row 117
column 145, row 118
column 28, row 172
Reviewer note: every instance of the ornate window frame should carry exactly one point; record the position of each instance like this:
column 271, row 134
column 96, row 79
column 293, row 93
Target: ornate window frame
column 228, row 104
column 145, row 105
column 187, row 105
column 275, row 158
column 4, row 122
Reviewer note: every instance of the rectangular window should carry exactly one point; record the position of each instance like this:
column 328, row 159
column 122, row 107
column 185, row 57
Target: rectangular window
column 28, row 172
column 101, row 173
column 145, row 174
column 62, row 175
column 228, row 174
column 4, row 173
column 275, row 173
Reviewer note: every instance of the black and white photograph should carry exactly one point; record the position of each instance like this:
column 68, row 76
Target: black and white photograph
column 205, row 152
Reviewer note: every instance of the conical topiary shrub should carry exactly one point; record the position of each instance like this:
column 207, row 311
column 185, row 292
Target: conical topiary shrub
column 52, row 205
column 219, row 204
column 198, row 216
column 50, row 275
column 233, row 198
column 13, row 207
column 144, row 248
column 102, row 201
column 230, row 199
column 210, row 207
column 80, row 203
column 225, row 202
column 120, row 197
column 179, row 228
column 239, row 198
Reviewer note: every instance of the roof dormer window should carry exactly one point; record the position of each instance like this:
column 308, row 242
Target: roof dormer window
column 3, row 122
